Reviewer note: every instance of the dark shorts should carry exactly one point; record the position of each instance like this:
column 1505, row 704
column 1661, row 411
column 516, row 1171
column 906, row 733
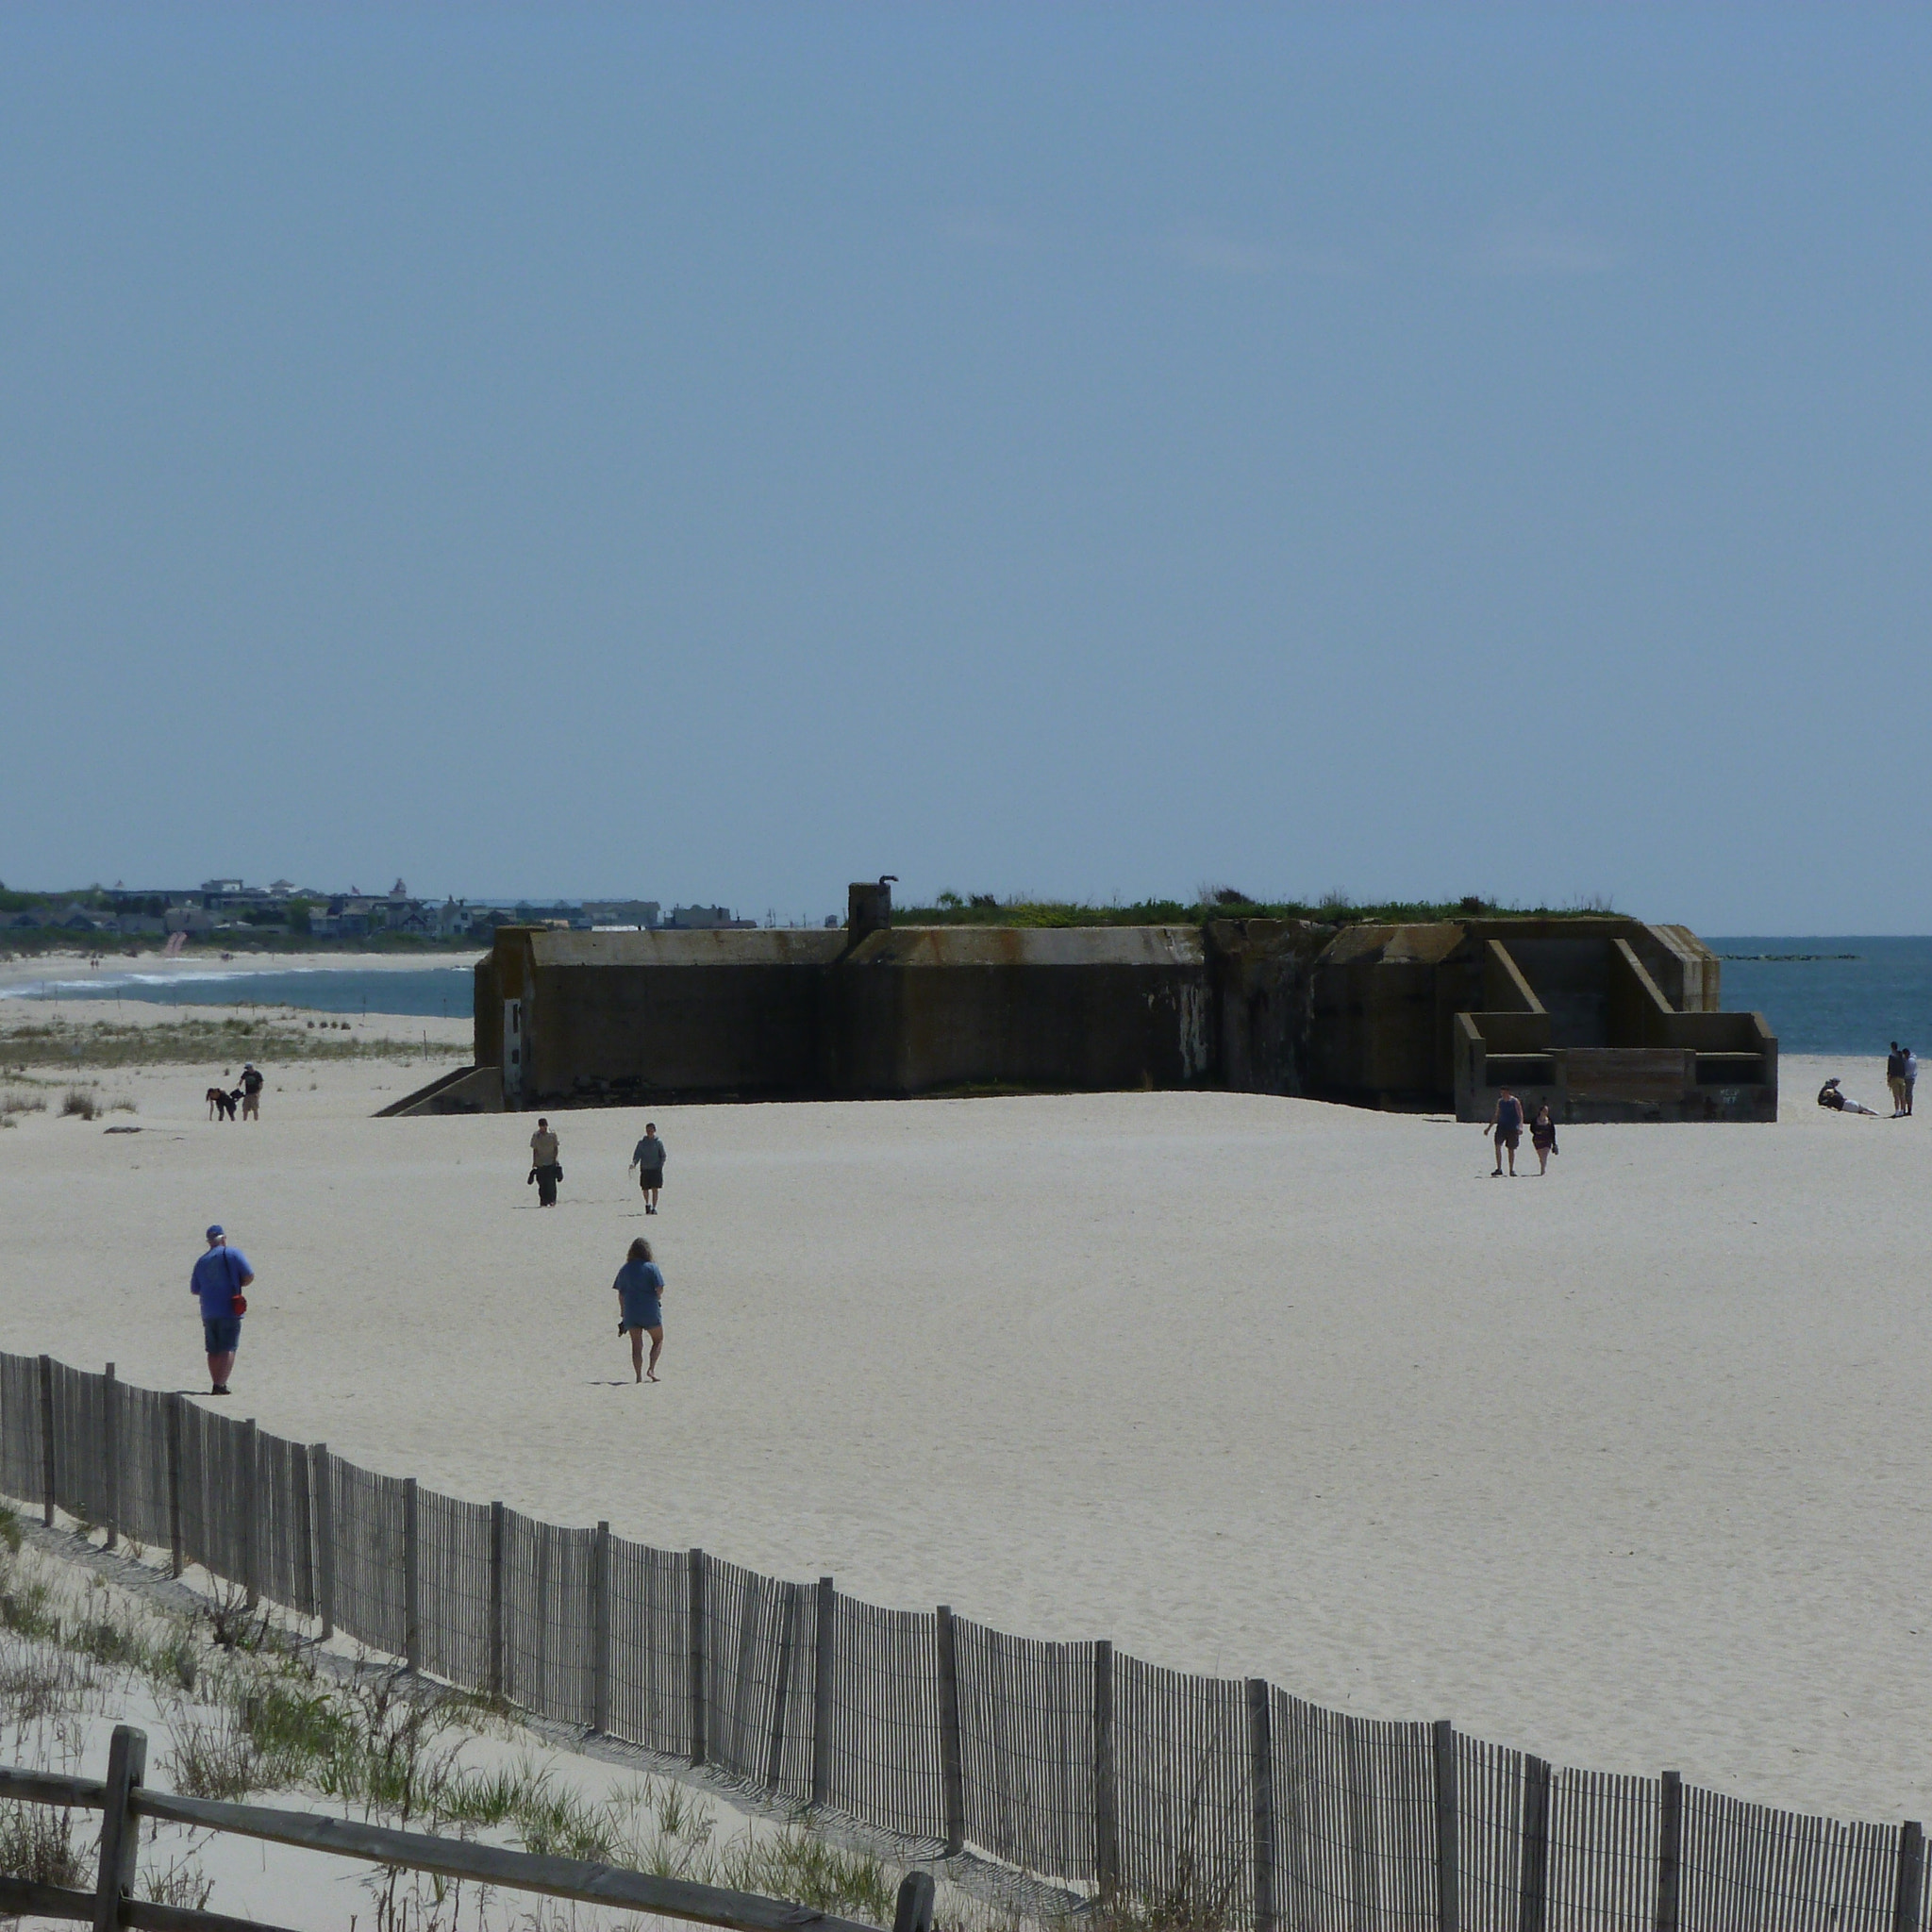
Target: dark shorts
column 650, row 1176
column 642, row 1313
column 1508, row 1137
column 224, row 1333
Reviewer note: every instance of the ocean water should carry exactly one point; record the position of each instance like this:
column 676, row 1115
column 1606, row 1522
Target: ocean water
column 435, row 990
column 1821, row 995
column 1833, row 996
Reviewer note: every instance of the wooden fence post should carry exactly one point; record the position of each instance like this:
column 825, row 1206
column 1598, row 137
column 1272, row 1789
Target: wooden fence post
column 541, row 1662
column 1670, row 1850
column 177, row 1551
column 302, row 1536
column 499, row 1536
column 109, row 1498
column 1448, row 1829
column 119, row 1828
column 788, row 1649
column 1533, row 1890
column 697, row 1636
column 600, row 1632
column 826, row 1631
column 325, row 1538
column 251, row 1515
column 952, row 1755
column 412, row 1578
column 47, row 1439
column 912, row 1912
column 1107, row 1817
column 1262, row 1780
column 1911, row 1877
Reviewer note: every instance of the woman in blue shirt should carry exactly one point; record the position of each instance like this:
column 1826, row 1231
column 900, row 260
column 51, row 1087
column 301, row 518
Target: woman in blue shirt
column 639, row 1287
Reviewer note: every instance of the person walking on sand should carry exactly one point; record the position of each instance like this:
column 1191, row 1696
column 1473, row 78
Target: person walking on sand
column 251, row 1092
column 1542, row 1137
column 1895, row 1080
column 1908, row 1067
column 639, row 1287
column 545, row 1169
column 219, row 1277
column 647, row 1156
column 1506, row 1124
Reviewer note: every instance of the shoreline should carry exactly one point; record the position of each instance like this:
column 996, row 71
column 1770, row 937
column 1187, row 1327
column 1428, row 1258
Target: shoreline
column 74, row 969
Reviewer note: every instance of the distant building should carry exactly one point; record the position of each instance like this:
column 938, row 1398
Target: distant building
column 708, row 919
column 636, row 915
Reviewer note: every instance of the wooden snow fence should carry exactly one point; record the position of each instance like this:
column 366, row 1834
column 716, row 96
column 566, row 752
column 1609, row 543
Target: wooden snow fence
column 1198, row 1801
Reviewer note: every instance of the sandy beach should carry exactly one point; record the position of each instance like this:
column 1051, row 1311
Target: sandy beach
column 1625, row 1465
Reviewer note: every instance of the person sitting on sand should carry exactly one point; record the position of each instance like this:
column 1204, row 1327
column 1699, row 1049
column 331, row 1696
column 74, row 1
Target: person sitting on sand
column 639, row 1287
column 1830, row 1095
column 1542, row 1137
column 1506, row 1123
column 545, row 1169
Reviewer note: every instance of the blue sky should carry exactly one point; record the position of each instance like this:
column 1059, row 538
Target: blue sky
column 717, row 452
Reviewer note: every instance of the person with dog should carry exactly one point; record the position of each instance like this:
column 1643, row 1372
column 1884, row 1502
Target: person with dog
column 216, row 1283
column 251, row 1092
column 221, row 1102
column 545, row 1169
column 648, row 1158
column 639, row 1287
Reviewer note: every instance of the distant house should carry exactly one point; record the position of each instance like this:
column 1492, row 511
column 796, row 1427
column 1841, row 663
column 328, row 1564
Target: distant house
column 706, row 919
column 638, row 915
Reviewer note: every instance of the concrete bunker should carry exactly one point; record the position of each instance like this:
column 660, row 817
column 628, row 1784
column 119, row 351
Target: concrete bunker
column 1607, row 1018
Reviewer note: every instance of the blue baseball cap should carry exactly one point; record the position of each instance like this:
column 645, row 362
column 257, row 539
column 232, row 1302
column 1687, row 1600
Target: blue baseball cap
column 216, row 1232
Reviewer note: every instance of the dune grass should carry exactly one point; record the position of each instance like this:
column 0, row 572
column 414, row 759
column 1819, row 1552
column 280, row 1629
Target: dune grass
column 77, row 1045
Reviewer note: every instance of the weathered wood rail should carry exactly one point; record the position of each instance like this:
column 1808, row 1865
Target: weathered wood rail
column 123, row 1799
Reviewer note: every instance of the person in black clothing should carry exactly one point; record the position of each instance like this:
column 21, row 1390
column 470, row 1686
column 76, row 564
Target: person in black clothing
column 1506, row 1123
column 1836, row 1100
column 251, row 1092
column 1542, row 1137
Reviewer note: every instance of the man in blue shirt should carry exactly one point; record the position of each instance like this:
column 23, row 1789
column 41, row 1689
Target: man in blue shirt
column 217, row 1282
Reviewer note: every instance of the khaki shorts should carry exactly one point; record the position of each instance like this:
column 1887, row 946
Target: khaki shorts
column 251, row 1107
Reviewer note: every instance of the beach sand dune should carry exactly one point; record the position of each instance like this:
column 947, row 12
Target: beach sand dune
column 1626, row 1466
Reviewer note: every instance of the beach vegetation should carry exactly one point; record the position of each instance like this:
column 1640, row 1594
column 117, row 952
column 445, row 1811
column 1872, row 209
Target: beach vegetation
column 80, row 1105
column 1212, row 902
column 225, row 1043
column 180, row 1883
column 37, row 1844
column 247, row 1706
